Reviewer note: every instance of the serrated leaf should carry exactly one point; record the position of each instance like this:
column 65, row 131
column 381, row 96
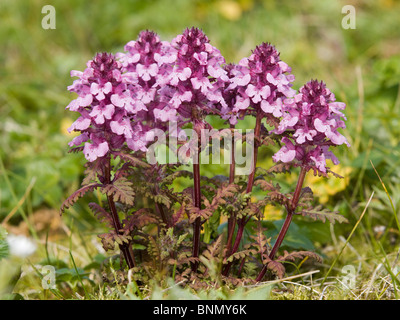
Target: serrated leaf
column 160, row 198
column 131, row 159
column 101, row 214
column 219, row 199
column 274, row 266
column 240, row 255
column 138, row 219
column 121, row 190
column 280, row 168
column 78, row 194
column 266, row 185
column 323, row 215
column 292, row 256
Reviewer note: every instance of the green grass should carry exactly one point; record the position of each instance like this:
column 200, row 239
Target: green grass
column 361, row 66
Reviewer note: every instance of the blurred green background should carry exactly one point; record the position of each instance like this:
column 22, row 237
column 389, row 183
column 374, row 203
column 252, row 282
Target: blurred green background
column 361, row 66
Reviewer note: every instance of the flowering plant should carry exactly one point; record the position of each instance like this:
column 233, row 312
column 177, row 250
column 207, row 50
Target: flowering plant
column 152, row 93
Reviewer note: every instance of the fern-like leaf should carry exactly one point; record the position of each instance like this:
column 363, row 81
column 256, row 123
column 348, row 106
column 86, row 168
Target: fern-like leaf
column 77, row 195
column 138, row 219
column 280, row 168
column 210, row 207
column 131, row 159
column 266, row 185
column 101, row 214
column 240, row 255
column 213, row 250
column 292, row 256
column 323, row 215
column 274, row 266
column 121, row 190
column 260, row 240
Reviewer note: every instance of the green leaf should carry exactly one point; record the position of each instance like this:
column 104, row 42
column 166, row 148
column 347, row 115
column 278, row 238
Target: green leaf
column 295, row 237
column 4, row 248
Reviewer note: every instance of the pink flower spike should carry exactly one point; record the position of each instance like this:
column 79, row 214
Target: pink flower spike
column 122, row 128
column 77, row 141
column 274, row 109
column 203, row 84
column 166, row 114
column 179, row 98
column 182, row 75
column 92, row 151
column 257, row 94
column 201, row 57
column 82, row 123
column 287, row 153
column 102, row 112
column 146, row 72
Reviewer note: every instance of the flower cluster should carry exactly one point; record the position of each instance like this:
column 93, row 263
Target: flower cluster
column 269, row 84
column 147, row 64
column 313, row 118
column 104, row 104
column 193, row 86
column 235, row 98
column 122, row 98
column 154, row 89
column 260, row 82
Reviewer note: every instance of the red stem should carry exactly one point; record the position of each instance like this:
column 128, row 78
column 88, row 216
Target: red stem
column 231, row 220
column 197, row 203
column 160, row 209
column 249, row 188
column 285, row 227
column 125, row 247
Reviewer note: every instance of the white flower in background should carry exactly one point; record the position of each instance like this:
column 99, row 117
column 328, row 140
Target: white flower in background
column 20, row 246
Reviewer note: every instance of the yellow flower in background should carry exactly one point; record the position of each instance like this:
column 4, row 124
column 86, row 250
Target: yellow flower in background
column 323, row 188
column 233, row 10
column 230, row 10
column 387, row 3
column 272, row 212
column 65, row 124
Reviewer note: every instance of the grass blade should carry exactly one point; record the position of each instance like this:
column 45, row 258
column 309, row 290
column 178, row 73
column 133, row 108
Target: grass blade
column 79, row 276
column 387, row 193
column 348, row 239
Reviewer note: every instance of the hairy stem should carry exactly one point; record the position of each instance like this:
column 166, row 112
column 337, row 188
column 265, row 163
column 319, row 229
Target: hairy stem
column 285, row 227
column 125, row 247
column 197, row 204
column 242, row 222
column 160, row 209
column 232, row 219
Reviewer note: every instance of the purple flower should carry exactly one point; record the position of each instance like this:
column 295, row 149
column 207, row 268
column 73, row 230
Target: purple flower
column 148, row 65
column 97, row 149
column 101, row 112
column 102, row 102
column 270, row 80
column 312, row 118
column 194, row 81
column 235, row 99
